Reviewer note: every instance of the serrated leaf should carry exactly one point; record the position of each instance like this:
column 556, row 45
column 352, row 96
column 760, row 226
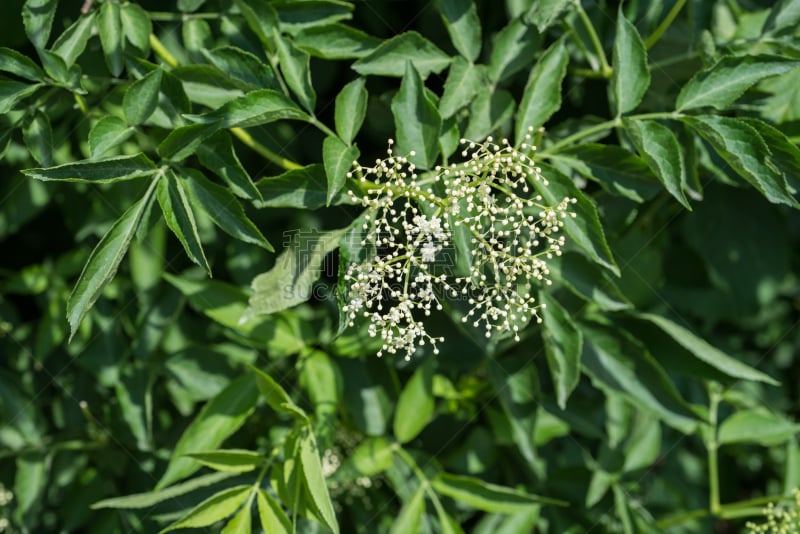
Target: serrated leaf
column 253, row 109
column 141, row 98
column 338, row 159
column 71, row 44
column 464, row 81
column 305, row 188
column 390, row 57
column 410, row 517
column 296, row 69
column 660, row 149
column 19, row 65
column 585, row 228
column 37, row 18
column 542, row 95
column 218, row 155
column 137, row 27
column 544, row 12
column 38, row 137
column 222, row 208
column 102, row 264
column 487, row 497
column 107, row 133
column 12, row 92
column 373, row 456
column 351, row 108
column 218, row 419
column 785, row 154
column 271, row 515
column 242, row 66
column 416, row 120
column 213, row 509
column 488, row 113
column 109, row 27
column 513, row 47
column 563, row 344
column 229, row 460
column 292, row 278
column 311, row 467
column 295, row 16
column 589, row 281
column 152, row 498
column 756, row 426
column 335, row 41
column 179, row 216
column 631, row 76
column 184, row 141
column 461, row 20
column 707, row 353
column 262, row 19
column 98, row 171
column 416, row 405
column 719, row 85
column 741, row 146
column 275, row 396
column 784, row 15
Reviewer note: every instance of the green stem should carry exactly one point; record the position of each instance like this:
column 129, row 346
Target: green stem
column 162, row 52
column 665, row 24
column 712, row 446
column 322, row 127
column 605, row 68
column 73, row 445
column 678, row 519
column 164, row 16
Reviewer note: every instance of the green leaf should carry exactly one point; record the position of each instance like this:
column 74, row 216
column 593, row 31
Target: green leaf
column 659, row 147
column 261, row 17
column 30, row 483
column 102, row 264
column 373, row 456
column 109, row 27
column 616, row 169
column 741, row 146
column 218, row 155
column 37, row 18
column 542, row 95
column 314, row 480
column 485, row 496
column 585, row 228
column 305, row 188
column 416, row 120
column 38, row 137
column 137, row 27
column 544, row 12
column 273, row 518
column 12, row 92
column 218, row 419
column 229, row 460
column 464, row 81
column 785, row 154
column 563, row 343
column 213, row 509
column 98, row 171
column 207, row 85
column 296, row 69
column 589, row 282
column 756, row 426
column 106, row 134
column 488, row 112
column 184, row 141
column 706, row 352
column 179, row 216
column 295, row 16
column 410, row 517
column 253, row 109
column 351, row 108
column 335, row 41
column 71, row 44
column 513, row 47
column 141, row 98
column 152, row 498
column 631, row 76
column 514, row 381
column 321, row 378
column 461, row 20
column 291, row 280
column 242, row 66
column 276, row 396
column 338, row 159
column 784, row 15
column 19, row 65
column 416, row 405
column 719, row 85
column 241, row 523
column 390, row 58
column 222, row 208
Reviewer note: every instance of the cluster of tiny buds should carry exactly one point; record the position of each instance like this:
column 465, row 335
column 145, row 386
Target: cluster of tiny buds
column 410, row 221
column 779, row 519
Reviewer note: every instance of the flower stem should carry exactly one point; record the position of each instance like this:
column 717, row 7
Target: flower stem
column 605, row 68
column 665, row 24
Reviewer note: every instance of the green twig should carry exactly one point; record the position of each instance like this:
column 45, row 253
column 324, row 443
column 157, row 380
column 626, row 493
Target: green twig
column 712, row 445
column 665, row 24
column 605, row 68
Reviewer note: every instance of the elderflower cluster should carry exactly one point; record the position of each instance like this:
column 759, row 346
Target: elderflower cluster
column 409, row 229
column 779, row 519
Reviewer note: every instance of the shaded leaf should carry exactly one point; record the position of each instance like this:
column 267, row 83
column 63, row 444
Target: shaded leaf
column 373, row 456
column 71, row 44
column 659, row 147
column 109, row 27
column 295, row 16
column 631, row 76
column 305, row 188
column 311, row 467
column 37, row 18
column 296, row 69
column 485, row 496
column 151, row 498
column 108, row 133
column 544, row 12
column 563, row 344
column 12, row 92
column 416, row 405
column 137, row 27
column 542, row 95
column 229, row 460
column 335, row 41
column 756, row 426
column 461, row 20
column 338, row 159
column 218, row 155
column 141, row 98
column 410, row 517
column 488, row 112
column 513, row 47
column 416, row 120
column 390, row 57
column 97, row 171
column 19, row 65
column 213, row 509
column 242, row 66
column 38, row 137
column 179, row 216
column 253, row 109
column 464, row 81
column 351, row 108
column 275, row 396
